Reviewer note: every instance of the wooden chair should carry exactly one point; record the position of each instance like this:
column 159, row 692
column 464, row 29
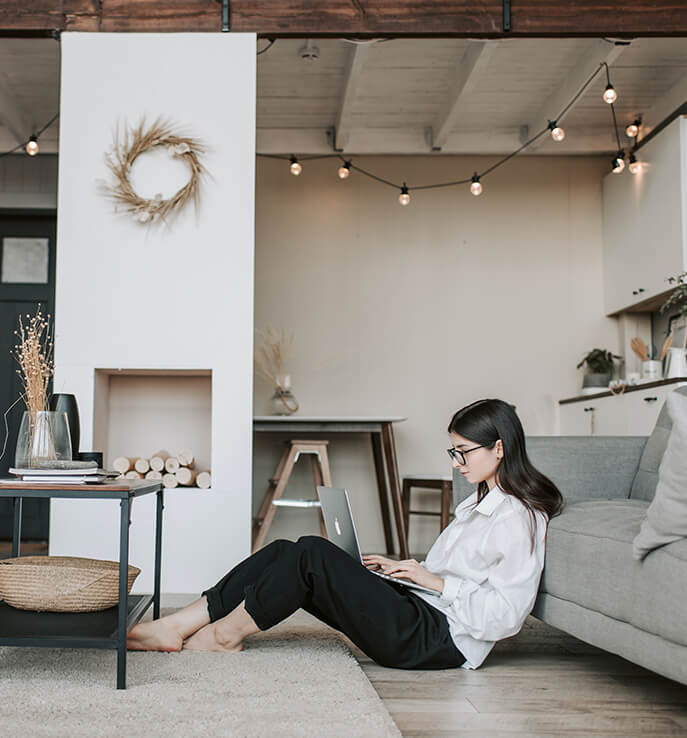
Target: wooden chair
column 317, row 450
column 442, row 484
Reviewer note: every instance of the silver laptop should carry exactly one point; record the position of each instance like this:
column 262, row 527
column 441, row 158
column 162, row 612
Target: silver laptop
column 338, row 519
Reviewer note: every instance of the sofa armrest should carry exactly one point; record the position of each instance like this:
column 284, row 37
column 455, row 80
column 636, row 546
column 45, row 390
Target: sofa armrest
column 583, row 467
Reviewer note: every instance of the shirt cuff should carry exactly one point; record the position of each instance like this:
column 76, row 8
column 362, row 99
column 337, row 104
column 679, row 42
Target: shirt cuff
column 451, row 589
column 454, row 587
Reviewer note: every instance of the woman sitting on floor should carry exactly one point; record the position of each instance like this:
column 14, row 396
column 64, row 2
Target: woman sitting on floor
column 484, row 567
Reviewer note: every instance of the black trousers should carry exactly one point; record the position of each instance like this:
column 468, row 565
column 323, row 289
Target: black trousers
column 386, row 620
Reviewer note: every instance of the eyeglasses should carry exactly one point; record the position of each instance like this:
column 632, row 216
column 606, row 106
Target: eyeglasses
column 459, row 456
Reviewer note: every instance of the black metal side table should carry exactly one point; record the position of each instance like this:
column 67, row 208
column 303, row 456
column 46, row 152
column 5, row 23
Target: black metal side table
column 104, row 629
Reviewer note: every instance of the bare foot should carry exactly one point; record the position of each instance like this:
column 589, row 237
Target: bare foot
column 155, row 636
column 209, row 639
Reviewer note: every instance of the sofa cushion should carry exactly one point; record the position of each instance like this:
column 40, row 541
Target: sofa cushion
column 589, row 555
column 666, row 518
column 589, row 562
column 646, row 479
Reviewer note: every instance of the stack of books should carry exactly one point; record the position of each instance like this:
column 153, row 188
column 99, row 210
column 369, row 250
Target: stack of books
column 89, row 475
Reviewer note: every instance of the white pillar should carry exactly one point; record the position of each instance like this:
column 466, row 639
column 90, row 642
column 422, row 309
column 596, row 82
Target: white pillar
column 176, row 296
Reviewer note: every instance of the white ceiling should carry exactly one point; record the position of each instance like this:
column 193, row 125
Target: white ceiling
column 409, row 95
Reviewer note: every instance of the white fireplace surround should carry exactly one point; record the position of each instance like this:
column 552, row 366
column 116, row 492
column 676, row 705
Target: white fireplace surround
column 138, row 412
column 172, row 307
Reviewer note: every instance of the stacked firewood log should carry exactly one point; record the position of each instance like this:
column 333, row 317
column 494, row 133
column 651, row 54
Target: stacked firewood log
column 172, row 471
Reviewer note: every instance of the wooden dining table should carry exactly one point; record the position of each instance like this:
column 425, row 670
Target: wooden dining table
column 381, row 431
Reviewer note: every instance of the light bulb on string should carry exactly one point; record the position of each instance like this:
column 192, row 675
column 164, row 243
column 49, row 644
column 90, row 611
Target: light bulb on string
column 295, row 167
column 618, row 162
column 635, row 166
column 345, row 170
column 610, row 95
column 632, row 129
column 404, row 197
column 557, row 133
column 31, row 146
column 476, row 185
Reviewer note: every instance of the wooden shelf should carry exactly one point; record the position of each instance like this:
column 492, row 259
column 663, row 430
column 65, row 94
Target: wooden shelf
column 628, row 388
column 67, row 629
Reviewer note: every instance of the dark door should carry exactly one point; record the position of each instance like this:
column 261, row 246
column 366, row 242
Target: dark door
column 27, row 280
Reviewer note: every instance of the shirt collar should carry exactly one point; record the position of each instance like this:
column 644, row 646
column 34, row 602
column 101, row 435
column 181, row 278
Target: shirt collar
column 491, row 501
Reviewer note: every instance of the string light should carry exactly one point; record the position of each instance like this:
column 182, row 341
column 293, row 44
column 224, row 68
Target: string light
column 31, row 146
column 619, row 162
column 557, row 133
column 476, row 185
column 632, row 130
column 295, row 168
column 610, row 95
column 476, row 188
column 635, row 166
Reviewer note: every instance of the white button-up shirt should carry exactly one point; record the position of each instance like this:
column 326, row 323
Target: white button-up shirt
column 490, row 571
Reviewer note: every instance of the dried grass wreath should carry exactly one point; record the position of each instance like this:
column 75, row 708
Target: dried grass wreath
column 128, row 147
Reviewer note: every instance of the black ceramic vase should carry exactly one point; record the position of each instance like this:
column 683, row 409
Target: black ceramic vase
column 62, row 403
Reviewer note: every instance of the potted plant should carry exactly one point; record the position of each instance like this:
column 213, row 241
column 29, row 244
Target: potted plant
column 677, row 300
column 599, row 369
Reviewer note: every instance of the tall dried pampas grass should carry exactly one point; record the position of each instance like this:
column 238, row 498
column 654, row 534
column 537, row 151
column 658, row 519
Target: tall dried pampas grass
column 271, row 357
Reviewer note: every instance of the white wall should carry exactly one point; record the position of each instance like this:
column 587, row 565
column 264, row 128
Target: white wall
column 169, row 298
column 417, row 311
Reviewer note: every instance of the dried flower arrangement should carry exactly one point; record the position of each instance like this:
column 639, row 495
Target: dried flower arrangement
column 34, row 354
column 128, row 147
column 271, row 357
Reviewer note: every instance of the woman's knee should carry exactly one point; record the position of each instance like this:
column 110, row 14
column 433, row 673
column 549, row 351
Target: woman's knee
column 314, row 546
column 279, row 546
column 312, row 543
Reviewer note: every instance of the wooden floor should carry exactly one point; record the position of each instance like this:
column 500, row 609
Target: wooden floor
column 542, row 682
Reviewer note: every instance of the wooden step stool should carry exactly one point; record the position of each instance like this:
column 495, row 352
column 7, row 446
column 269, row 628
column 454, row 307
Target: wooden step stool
column 443, row 484
column 317, row 450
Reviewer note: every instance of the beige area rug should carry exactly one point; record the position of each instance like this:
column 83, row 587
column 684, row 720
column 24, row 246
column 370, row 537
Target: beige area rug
column 298, row 679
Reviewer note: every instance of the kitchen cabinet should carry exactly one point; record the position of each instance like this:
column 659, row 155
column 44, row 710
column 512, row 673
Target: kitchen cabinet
column 633, row 413
column 643, row 216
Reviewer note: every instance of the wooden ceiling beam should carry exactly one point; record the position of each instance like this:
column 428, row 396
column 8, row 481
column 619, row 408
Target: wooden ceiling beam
column 596, row 52
column 354, row 66
column 361, row 18
column 411, row 141
column 473, row 61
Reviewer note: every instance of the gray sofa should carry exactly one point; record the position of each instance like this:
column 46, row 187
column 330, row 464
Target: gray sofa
column 592, row 587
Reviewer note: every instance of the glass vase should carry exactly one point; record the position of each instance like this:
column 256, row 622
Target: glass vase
column 44, row 441
column 283, row 400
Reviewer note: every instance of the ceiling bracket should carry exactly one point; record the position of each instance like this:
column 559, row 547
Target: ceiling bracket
column 429, row 139
column 506, row 16
column 226, row 25
column 331, row 139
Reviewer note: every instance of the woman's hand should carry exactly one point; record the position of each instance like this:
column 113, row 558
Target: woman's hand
column 408, row 569
column 372, row 561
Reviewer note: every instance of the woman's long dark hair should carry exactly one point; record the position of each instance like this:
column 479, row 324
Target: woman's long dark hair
column 486, row 421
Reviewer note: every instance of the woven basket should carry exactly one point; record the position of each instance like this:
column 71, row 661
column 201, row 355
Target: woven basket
column 61, row 583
